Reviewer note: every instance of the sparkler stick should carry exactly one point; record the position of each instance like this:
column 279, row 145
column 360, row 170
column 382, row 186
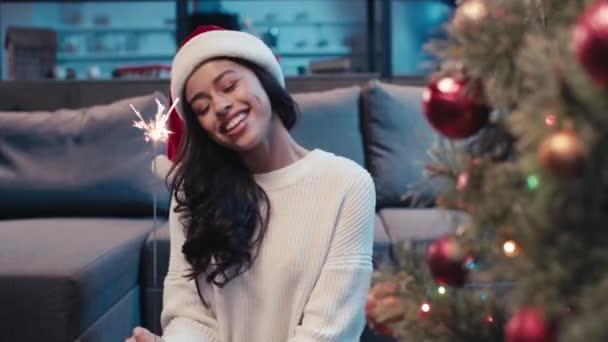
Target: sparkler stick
column 155, row 131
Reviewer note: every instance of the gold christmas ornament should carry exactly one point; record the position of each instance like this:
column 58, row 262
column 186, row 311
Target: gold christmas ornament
column 469, row 16
column 562, row 153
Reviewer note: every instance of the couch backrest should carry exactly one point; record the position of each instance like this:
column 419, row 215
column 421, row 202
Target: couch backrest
column 52, row 95
column 377, row 123
column 89, row 161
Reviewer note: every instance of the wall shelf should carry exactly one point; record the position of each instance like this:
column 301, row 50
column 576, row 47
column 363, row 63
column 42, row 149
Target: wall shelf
column 76, row 30
column 90, row 58
column 307, row 23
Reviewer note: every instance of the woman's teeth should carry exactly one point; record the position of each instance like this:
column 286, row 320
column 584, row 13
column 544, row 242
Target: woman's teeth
column 235, row 121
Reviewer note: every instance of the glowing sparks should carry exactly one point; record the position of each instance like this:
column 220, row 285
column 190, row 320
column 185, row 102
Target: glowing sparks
column 155, row 130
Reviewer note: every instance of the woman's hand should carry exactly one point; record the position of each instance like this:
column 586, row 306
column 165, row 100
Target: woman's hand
column 143, row 335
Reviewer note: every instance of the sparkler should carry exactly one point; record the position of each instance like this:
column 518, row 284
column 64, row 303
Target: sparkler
column 155, row 131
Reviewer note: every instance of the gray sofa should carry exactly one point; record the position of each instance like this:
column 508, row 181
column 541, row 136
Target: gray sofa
column 76, row 194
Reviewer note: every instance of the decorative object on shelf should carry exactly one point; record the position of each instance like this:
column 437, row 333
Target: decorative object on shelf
column 334, row 65
column 69, row 45
column 71, row 74
column 302, row 16
column 302, row 43
column 94, row 72
column 131, row 42
column 322, row 42
column 59, row 72
column 142, row 72
column 271, row 16
column 271, row 37
column 71, row 14
column 31, row 53
column 96, row 43
column 101, row 20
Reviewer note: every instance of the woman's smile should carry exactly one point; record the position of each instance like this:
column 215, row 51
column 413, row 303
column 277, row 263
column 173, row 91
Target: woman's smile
column 235, row 125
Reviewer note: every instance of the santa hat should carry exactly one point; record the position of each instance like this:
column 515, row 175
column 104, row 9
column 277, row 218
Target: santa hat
column 205, row 43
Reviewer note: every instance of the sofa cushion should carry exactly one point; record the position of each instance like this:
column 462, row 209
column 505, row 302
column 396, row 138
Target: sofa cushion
column 58, row 276
column 397, row 139
column 419, row 224
column 330, row 121
column 87, row 162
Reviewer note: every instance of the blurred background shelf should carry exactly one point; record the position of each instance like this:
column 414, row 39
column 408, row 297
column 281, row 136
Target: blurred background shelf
column 383, row 36
column 72, row 30
column 114, row 57
column 308, row 23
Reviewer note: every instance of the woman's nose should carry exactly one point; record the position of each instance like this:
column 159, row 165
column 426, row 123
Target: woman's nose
column 223, row 104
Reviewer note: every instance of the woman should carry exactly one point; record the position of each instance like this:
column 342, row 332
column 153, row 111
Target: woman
column 270, row 242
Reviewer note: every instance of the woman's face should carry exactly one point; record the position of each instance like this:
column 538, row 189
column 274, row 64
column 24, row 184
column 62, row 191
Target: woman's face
column 230, row 104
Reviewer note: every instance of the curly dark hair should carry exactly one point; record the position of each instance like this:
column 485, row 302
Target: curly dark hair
column 223, row 210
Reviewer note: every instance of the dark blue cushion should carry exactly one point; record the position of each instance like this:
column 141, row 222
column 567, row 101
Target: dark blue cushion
column 330, row 121
column 397, row 139
column 87, row 162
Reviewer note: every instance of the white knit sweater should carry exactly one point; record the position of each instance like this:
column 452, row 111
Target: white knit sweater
column 311, row 278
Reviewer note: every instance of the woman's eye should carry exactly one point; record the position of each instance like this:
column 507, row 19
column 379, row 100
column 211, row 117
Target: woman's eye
column 202, row 111
column 230, row 87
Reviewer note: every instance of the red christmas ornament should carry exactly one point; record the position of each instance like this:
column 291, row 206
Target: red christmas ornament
column 528, row 325
column 446, row 259
column 590, row 41
column 452, row 112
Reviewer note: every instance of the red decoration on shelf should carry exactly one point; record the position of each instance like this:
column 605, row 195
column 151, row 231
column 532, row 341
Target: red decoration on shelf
column 453, row 112
column 590, row 41
column 446, row 259
column 529, row 325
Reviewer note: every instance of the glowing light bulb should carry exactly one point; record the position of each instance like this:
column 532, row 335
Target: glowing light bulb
column 532, row 182
column 510, row 248
column 550, row 120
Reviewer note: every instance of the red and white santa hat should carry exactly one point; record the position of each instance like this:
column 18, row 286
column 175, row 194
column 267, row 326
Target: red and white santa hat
column 205, row 43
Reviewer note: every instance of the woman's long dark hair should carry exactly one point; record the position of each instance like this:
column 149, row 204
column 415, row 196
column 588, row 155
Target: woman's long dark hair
column 224, row 211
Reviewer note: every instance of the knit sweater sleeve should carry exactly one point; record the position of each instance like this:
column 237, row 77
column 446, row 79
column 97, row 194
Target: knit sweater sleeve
column 335, row 309
column 184, row 318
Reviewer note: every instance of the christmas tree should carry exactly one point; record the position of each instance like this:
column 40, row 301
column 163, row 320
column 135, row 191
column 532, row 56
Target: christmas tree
column 521, row 98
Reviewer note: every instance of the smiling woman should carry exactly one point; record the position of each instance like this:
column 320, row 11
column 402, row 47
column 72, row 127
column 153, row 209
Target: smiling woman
column 229, row 100
column 269, row 241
